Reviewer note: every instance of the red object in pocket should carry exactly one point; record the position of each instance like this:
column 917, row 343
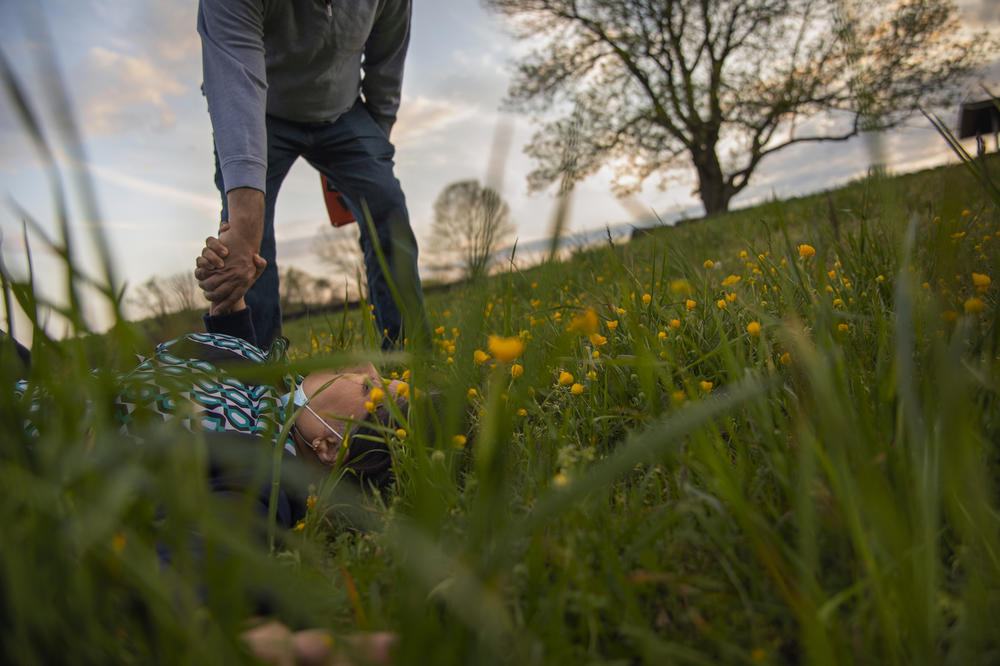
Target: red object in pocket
column 336, row 208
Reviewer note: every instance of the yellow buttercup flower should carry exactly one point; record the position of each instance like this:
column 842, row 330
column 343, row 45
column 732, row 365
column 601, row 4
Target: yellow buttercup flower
column 560, row 480
column 376, row 395
column 731, row 280
column 369, row 406
column 505, row 350
column 516, row 370
column 612, row 324
column 439, row 330
column 402, row 390
column 843, row 328
column 565, row 378
column 662, row 335
column 753, row 328
column 598, row 340
column 480, row 357
column 646, row 298
column 472, row 393
column 680, row 287
column 690, row 305
column 786, row 359
column 708, row 263
column 806, row 250
column 522, row 412
column 401, row 433
column 675, row 324
column 981, row 281
column 706, row 386
column 458, row 441
column 974, row 305
column 576, row 389
column 721, row 304
column 585, row 323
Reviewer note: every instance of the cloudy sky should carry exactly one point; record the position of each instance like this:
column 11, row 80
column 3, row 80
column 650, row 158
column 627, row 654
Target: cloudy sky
column 132, row 69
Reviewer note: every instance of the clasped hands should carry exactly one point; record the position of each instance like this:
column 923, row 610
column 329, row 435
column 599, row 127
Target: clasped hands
column 226, row 270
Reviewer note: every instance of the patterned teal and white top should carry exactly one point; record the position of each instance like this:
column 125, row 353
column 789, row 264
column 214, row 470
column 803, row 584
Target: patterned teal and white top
column 197, row 379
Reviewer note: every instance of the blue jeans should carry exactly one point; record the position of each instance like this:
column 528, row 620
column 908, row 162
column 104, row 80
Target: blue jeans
column 357, row 158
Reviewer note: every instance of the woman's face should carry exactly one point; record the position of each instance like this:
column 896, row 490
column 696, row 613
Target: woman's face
column 339, row 398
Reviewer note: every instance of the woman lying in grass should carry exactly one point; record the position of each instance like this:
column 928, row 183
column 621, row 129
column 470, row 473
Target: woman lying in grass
column 239, row 398
column 221, row 381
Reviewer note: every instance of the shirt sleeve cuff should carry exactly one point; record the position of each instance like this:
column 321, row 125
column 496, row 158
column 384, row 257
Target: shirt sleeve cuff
column 238, row 324
column 244, row 172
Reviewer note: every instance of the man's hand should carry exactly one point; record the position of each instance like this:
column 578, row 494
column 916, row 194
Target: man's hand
column 225, row 285
column 224, row 297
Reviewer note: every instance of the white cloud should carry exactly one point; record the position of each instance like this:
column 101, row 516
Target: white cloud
column 199, row 202
column 123, row 91
column 422, row 116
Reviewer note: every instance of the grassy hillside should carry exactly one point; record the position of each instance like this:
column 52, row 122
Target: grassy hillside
column 767, row 437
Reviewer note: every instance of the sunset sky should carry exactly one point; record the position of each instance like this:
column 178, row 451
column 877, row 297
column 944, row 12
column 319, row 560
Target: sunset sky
column 133, row 70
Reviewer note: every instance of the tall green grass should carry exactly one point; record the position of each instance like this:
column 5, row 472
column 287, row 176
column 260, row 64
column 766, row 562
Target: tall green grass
column 800, row 466
column 830, row 498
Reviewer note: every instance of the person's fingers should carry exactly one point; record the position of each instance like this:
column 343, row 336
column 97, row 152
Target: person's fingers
column 229, row 302
column 375, row 647
column 312, row 647
column 223, row 226
column 271, row 643
column 211, row 281
column 215, row 245
column 214, row 252
column 203, row 268
column 217, row 292
column 222, row 296
column 259, row 263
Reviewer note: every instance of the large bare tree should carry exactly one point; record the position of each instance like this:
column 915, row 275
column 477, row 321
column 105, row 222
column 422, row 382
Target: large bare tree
column 161, row 297
column 340, row 253
column 649, row 85
column 471, row 222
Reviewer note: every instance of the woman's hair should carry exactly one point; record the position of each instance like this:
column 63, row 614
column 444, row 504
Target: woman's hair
column 370, row 459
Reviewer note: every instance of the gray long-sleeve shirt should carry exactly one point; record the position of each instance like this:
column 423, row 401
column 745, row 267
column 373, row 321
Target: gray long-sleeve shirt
column 298, row 60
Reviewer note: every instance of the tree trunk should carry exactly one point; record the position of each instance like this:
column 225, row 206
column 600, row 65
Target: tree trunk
column 715, row 193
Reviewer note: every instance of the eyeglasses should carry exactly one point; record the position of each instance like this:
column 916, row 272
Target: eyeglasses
column 299, row 399
column 323, row 421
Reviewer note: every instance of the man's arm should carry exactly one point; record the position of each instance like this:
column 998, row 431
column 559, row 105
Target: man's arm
column 235, row 85
column 385, row 53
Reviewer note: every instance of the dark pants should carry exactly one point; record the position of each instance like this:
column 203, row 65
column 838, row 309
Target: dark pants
column 357, row 158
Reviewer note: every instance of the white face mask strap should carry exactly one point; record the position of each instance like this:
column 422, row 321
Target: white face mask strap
column 300, row 400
